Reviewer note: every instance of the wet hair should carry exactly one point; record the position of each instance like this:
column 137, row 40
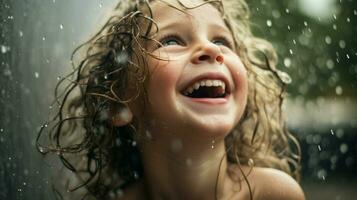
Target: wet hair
column 111, row 72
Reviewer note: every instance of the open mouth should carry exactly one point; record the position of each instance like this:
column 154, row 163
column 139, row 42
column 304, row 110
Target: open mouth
column 207, row 88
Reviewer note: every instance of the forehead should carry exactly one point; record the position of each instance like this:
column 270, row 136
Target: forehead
column 169, row 11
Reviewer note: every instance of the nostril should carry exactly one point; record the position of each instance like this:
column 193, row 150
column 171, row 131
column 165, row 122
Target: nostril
column 203, row 57
column 220, row 59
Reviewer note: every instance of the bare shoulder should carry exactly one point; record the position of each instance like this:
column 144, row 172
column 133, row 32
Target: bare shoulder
column 275, row 184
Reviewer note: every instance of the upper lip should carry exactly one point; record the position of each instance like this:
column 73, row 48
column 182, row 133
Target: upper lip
column 209, row 75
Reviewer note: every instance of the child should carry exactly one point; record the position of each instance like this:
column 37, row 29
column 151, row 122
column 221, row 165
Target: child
column 175, row 99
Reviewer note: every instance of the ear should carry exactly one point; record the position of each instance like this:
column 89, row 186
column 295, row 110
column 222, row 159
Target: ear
column 120, row 114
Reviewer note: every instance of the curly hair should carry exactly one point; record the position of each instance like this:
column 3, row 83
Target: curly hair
column 105, row 158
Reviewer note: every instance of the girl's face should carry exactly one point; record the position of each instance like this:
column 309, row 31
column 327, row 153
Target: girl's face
column 200, row 85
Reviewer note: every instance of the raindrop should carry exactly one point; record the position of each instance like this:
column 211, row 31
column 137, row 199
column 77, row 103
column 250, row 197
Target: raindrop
column 294, row 41
column 334, row 16
column 319, row 147
column 291, row 52
column 305, row 23
column 287, row 10
column 321, row 174
column 339, row 90
column 1, row 130
column 276, row 14
column 21, row 33
column 106, row 77
column 250, row 162
column 342, row 44
column 176, row 145
column 61, row 26
column 188, row 162
column 213, row 142
column 348, row 19
column 59, row 78
column 334, row 27
column 133, row 143
column 148, row 134
column 332, row 133
column 328, row 40
column 355, row 12
column 343, row 148
column 4, row 49
column 269, row 23
column 330, row 64
column 43, row 38
column 122, row 57
column 37, row 75
column 347, row 56
column 340, row 133
column 287, row 62
column 100, row 5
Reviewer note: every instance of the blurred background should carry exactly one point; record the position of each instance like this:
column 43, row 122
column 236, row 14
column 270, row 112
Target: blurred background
column 316, row 45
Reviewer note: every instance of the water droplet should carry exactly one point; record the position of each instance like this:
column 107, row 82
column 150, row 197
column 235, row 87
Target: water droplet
column 37, row 75
column 348, row 19
column 148, row 134
column 287, row 10
column 106, row 77
column 134, row 143
column 334, row 27
column 289, row 28
column 188, row 162
column 291, row 51
column 332, row 133
column 4, row 49
column 21, row 33
column 294, row 41
column 176, row 145
column 43, row 38
column 343, row 148
column 342, row 44
column 61, row 26
column 287, row 62
column 319, row 147
column 339, row 90
column 122, row 57
column 330, row 64
column 328, row 40
column 1, row 130
column 305, row 23
column 321, row 174
column 334, row 16
column 59, row 78
column 100, row 5
column 269, row 23
column 347, row 56
column 250, row 162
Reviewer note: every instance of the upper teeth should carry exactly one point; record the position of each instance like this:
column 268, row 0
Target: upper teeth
column 207, row 83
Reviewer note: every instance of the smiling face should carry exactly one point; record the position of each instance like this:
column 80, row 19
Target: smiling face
column 199, row 85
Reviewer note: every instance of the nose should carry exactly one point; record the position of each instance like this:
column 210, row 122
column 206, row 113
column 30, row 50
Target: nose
column 208, row 52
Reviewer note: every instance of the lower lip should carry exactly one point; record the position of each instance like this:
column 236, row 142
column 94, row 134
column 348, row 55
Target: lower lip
column 212, row 101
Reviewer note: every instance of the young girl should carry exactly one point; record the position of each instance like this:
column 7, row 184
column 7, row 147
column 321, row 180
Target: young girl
column 175, row 99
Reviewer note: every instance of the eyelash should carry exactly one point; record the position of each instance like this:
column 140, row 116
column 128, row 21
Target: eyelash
column 225, row 41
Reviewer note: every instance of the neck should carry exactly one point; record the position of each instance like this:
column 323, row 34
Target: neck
column 176, row 168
